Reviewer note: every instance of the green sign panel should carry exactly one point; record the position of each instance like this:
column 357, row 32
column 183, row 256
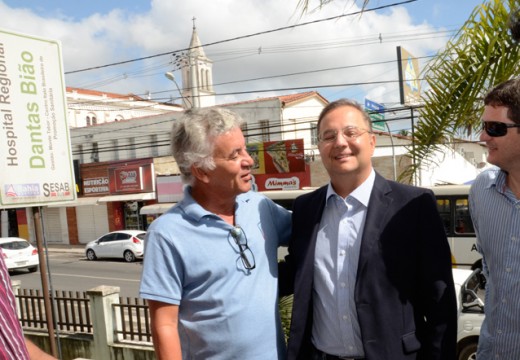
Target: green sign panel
column 376, row 113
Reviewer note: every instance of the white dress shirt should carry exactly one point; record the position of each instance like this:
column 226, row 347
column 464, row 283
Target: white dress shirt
column 335, row 327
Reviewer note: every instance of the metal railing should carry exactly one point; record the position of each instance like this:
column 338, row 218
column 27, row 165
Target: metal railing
column 71, row 310
column 72, row 314
column 135, row 319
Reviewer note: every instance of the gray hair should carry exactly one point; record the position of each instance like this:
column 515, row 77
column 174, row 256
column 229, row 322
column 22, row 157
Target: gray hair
column 193, row 138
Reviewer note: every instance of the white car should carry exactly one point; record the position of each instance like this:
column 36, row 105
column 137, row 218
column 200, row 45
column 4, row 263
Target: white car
column 126, row 244
column 469, row 288
column 19, row 254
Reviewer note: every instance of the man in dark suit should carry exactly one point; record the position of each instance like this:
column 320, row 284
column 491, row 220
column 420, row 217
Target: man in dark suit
column 369, row 259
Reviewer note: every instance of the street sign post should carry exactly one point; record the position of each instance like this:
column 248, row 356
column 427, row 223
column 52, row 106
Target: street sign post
column 35, row 152
column 377, row 114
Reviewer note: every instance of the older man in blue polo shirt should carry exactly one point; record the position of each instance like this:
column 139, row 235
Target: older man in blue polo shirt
column 210, row 266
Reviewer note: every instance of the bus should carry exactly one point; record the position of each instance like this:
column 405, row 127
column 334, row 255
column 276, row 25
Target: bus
column 453, row 207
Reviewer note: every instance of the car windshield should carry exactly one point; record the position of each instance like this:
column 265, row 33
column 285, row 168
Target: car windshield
column 141, row 236
column 15, row 245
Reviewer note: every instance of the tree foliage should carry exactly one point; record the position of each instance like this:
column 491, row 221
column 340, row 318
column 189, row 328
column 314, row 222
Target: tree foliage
column 305, row 5
column 482, row 54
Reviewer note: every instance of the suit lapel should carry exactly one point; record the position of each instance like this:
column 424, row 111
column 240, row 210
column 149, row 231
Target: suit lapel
column 315, row 212
column 377, row 213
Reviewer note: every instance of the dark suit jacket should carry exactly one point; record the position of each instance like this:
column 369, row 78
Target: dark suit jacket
column 404, row 291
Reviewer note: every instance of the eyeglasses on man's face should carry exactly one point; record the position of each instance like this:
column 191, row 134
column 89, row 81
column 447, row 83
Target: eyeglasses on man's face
column 246, row 255
column 497, row 128
column 350, row 133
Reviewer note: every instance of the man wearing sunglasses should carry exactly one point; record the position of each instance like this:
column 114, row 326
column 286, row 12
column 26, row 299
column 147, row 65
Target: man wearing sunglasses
column 210, row 264
column 370, row 258
column 495, row 210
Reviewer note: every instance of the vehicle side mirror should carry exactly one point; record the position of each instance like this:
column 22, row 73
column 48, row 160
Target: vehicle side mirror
column 469, row 291
column 475, row 303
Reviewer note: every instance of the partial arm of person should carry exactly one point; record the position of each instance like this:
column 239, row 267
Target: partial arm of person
column 474, row 210
column 35, row 353
column 281, row 219
column 439, row 299
column 165, row 333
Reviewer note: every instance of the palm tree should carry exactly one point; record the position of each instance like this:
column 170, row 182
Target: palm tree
column 483, row 53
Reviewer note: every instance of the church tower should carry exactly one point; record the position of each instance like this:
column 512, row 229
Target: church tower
column 197, row 77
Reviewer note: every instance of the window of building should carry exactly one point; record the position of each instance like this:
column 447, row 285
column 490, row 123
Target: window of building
column 115, row 145
column 154, row 145
column 264, row 129
column 131, row 148
column 244, row 130
column 95, row 152
column 314, row 133
column 91, row 119
column 80, row 153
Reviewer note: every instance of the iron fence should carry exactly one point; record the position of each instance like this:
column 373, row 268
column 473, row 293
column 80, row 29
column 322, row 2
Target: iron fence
column 135, row 319
column 71, row 310
column 72, row 314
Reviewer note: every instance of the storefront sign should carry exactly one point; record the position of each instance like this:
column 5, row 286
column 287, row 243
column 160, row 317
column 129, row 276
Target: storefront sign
column 279, row 165
column 96, row 186
column 128, row 179
column 131, row 177
column 35, row 155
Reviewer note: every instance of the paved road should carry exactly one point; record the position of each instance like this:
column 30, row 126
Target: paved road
column 70, row 271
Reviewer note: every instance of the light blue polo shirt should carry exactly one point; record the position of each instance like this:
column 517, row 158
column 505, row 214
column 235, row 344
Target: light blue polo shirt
column 191, row 259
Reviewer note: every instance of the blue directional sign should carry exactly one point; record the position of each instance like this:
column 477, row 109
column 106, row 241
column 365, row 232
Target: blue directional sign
column 377, row 114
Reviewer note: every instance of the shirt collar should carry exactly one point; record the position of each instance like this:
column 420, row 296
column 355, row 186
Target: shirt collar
column 193, row 209
column 361, row 193
column 497, row 179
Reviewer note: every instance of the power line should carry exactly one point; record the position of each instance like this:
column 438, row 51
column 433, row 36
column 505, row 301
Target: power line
column 376, row 38
column 249, row 133
column 240, row 37
column 275, row 90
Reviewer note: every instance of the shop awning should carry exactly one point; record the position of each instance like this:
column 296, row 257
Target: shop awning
column 82, row 201
column 128, row 197
column 156, row 208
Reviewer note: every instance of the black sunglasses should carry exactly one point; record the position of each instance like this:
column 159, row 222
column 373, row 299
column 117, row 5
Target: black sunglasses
column 496, row 128
column 247, row 256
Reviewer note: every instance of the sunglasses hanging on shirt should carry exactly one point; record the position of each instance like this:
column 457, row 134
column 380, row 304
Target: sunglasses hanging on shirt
column 247, row 256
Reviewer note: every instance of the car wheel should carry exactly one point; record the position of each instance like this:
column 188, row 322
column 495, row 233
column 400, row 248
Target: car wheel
column 468, row 352
column 91, row 255
column 32, row 269
column 129, row 256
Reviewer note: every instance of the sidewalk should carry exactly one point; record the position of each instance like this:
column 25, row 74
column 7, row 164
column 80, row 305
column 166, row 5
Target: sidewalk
column 67, row 248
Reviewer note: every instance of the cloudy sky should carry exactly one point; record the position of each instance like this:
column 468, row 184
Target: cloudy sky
column 258, row 48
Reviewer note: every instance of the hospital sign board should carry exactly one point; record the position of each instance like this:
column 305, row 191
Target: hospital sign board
column 35, row 152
